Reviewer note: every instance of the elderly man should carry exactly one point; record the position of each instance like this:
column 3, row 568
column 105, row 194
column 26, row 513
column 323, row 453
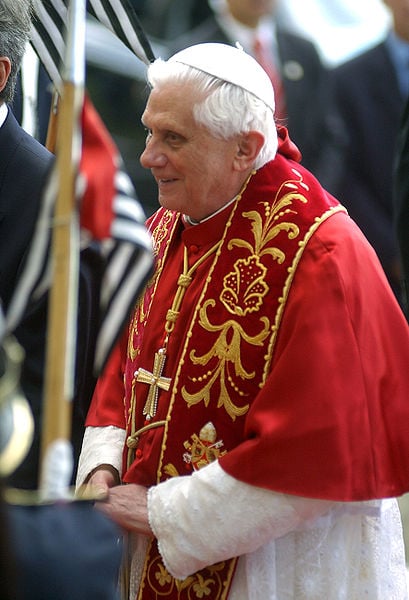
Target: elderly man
column 257, row 409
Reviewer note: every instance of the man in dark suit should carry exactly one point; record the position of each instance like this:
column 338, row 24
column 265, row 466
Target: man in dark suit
column 369, row 96
column 401, row 183
column 55, row 550
column 24, row 166
column 301, row 83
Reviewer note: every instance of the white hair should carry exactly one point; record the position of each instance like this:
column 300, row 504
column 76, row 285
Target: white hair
column 226, row 109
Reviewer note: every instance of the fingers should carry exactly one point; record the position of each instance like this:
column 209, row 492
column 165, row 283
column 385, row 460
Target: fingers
column 127, row 506
column 99, row 483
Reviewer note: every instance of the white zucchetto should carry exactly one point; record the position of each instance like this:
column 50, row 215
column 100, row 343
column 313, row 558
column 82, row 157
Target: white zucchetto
column 229, row 64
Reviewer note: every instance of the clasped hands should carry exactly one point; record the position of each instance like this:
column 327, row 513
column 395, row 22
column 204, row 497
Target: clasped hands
column 126, row 505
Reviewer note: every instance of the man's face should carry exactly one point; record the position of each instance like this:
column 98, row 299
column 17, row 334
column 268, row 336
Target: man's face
column 194, row 170
column 400, row 13
column 249, row 12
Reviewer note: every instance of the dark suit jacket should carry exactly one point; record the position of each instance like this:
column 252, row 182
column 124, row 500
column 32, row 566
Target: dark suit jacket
column 368, row 103
column 402, row 199
column 304, row 81
column 24, row 165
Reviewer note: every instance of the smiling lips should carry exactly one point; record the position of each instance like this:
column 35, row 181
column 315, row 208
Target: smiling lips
column 165, row 181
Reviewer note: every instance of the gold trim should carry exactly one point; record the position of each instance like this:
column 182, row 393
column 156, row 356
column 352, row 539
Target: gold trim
column 175, row 389
column 287, row 286
column 133, row 439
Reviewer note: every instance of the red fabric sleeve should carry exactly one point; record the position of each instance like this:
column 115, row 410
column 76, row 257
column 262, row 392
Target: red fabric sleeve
column 107, row 404
column 332, row 421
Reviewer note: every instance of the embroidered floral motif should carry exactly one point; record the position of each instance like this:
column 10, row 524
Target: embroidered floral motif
column 207, row 583
column 243, row 293
column 228, row 363
column 162, row 576
column 244, row 288
column 159, row 235
column 202, row 586
column 160, row 232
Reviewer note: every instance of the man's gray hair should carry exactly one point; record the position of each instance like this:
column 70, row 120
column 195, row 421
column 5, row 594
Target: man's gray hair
column 226, row 110
column 15, row 24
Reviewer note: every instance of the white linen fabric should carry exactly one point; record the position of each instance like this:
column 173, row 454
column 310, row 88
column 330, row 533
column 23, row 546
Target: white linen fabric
column 290, row 548
column 100, row 446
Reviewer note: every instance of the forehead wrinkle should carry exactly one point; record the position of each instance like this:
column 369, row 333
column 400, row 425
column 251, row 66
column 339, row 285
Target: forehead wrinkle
column 164, row 115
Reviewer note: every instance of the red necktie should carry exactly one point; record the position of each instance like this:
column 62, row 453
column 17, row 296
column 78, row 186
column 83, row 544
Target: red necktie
column 263, row 56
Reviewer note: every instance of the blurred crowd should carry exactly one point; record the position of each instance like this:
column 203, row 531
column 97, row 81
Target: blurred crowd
column 348, row 94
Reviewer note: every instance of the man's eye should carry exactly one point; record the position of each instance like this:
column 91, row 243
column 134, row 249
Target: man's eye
column 148, row 135
column 172, row 137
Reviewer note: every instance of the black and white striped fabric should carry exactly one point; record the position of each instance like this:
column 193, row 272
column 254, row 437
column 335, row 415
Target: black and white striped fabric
column 111, row 218
column 48, row 31
column 112, row 222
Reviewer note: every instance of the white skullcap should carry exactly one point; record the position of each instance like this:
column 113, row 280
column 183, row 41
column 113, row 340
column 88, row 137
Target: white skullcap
column 229, row 64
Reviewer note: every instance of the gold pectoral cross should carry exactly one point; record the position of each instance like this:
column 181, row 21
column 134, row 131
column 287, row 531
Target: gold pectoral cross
column 155, row 382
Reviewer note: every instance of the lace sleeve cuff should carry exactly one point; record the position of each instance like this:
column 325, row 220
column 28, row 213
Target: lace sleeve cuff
column 101, row 445
column 210, row 516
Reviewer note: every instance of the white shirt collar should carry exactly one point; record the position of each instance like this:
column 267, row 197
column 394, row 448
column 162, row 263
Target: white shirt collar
column 219, row 210
column 245, row 36
column 3, row 113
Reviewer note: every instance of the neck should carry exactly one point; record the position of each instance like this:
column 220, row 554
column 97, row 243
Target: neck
column 402, row 30
column 192, row 221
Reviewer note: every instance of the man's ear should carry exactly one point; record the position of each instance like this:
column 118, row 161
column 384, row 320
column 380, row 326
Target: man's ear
column 248, row 148
column 5, row 68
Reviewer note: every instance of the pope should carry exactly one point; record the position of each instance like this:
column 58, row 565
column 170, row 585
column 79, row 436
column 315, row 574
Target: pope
column 250, row 431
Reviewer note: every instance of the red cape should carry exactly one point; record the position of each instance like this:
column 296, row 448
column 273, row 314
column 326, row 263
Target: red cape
column 332, row 420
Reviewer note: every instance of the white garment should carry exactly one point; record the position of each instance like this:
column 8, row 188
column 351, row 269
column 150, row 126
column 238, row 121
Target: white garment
column 290, row 548
column 3, row 113
column 29, row 81
column 100, row 446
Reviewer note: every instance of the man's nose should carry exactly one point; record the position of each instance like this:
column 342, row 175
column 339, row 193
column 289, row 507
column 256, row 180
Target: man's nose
column 152, row 156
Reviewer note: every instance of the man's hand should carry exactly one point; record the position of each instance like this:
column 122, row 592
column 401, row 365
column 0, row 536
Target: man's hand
column 127, row 505
column 98, row 482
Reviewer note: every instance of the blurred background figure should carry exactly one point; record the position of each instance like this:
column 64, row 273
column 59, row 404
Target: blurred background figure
column 369, row 93
column 293, row 63
column 167, row 19
column 340, row 28
column 401, row 197
column 401, row 182
column 116, row 78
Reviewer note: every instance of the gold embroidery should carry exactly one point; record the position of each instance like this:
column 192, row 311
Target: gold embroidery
column 203, row 449
column 226, row 353
column 244, row 290
column 170, row 470
column 208, row 583
column 159, row 234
